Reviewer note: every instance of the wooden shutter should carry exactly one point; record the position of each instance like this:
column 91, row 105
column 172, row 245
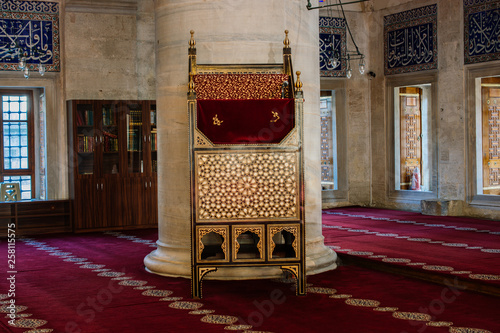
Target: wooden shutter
column 410, row 134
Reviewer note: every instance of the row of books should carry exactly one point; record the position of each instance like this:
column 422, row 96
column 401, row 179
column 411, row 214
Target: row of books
column 110, row 144
column 135, row 118
column 85, row 144
column 108, row 117
column 134, row 142
column 85, row 118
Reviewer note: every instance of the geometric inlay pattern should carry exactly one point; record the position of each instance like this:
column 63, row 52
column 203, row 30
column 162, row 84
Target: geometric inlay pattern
column 256, row 230
column 247, row 185
column 292, row 229
column 239, row 86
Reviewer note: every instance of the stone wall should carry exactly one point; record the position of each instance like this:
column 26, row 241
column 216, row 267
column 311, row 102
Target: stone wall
column 109, row 50
column 368, row 135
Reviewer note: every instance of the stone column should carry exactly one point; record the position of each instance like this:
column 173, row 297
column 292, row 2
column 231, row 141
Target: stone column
column 228, row 31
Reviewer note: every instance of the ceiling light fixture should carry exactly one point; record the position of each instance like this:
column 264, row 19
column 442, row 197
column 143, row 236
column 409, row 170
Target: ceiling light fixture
column 335, row 57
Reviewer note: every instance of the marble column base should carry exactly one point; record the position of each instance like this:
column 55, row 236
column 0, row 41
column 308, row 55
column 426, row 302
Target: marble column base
column 176, row 262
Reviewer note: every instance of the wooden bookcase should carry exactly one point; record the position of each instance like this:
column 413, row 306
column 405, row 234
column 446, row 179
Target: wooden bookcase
column 113, row 155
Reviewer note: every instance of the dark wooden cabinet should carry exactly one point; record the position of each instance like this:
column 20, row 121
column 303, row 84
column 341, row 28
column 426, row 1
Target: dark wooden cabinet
column 112, row 151
column 35, row 216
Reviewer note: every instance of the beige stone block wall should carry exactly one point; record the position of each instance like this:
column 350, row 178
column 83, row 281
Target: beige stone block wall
column 107, row 52
column 100, row 56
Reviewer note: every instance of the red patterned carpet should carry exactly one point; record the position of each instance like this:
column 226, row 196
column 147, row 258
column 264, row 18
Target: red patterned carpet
column 466, row 248
column 96, row 283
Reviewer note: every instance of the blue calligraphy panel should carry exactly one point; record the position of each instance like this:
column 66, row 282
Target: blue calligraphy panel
column 332, row 42
column 481, row 31
column 32, row 27
column 410, row 40
column 410, row 46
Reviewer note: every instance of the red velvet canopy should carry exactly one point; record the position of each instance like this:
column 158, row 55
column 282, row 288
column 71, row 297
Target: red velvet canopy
column 254, row 121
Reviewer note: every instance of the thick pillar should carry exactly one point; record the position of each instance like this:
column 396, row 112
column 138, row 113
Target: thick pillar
column 228, row 31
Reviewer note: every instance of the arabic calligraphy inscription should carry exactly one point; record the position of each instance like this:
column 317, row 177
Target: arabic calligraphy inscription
column 410, row 39
column 481, row 31
column 24, row 25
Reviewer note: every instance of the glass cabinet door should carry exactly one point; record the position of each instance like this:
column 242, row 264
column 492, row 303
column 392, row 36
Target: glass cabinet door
column 135, row 151
column 109, row 139
column 85, row 138
column 154, row 140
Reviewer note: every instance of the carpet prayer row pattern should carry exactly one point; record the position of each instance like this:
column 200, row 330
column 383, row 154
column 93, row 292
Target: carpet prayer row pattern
column 96, row 283
column 463, row 247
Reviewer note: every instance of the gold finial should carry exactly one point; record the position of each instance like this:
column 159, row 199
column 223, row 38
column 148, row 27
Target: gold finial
column 298, row 84
column 192, row 42
column 286, row 42
column 191, row 82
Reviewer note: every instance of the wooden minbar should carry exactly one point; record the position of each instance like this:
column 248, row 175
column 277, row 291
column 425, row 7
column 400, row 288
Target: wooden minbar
column 247, row 174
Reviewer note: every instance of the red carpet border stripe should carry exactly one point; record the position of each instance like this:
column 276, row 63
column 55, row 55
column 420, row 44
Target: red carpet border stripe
column 409, row 238
column 209, row 317
column 361, row 229
column 375, row 305
column 132, row 238
column 162, row 295
column 23, row 320
column 408, row 262
column 347, row 298
column 434, row 225
column 374, row 309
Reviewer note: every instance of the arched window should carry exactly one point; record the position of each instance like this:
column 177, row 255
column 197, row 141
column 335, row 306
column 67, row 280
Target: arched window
column 17, row 140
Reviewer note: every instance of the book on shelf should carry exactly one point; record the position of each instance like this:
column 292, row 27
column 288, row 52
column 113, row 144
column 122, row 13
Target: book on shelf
column 108, row 116
column 79, row 119
column 154, row 144
column 135, row 118
column 152, row 117
column 85, row 144
column 110, row 142
column 85, row 118
column 134, row 142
